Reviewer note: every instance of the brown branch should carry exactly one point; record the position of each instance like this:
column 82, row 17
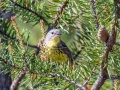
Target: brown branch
column 26, row 8
column 9, row 64
column 92, row 2
column 17, row 80
column 57, row 15
column 103, row 68
column 114, row 77
column 103, row 74
column 8, row 36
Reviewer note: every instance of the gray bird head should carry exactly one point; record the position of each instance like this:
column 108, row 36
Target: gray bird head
column 52, row 34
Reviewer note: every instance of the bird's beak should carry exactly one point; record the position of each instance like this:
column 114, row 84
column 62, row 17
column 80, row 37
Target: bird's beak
column 59, row 34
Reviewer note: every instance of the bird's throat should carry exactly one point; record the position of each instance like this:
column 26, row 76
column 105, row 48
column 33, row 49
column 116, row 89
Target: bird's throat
column 53, row 42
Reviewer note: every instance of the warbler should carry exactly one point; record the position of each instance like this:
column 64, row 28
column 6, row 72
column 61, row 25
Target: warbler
column 55, row 48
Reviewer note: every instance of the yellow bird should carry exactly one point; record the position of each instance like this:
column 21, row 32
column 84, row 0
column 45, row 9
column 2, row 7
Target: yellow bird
column 55, row 48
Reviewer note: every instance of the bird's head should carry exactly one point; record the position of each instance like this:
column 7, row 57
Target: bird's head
column 53, row 35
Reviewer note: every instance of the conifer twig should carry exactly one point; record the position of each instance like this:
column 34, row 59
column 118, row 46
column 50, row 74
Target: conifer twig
column 9, row 64
column 93, row 70
column 26, row 8
column 68, row 79
column 103, row 67
column 81, row 87
column 92, row 2
column 17, row 80
column 57, row 15
column 26, row 3
column 40, row 44
column 115, row 84
column 43, row 28
column 17, row 32
column 114, row 77
column 103, row 74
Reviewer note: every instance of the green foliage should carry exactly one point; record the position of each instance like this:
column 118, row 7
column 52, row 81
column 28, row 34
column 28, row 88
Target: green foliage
column 80, row 34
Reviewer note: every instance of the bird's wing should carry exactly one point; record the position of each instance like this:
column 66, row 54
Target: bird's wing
column 63, row 48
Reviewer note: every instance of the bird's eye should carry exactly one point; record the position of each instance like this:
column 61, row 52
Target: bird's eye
column 52, row 32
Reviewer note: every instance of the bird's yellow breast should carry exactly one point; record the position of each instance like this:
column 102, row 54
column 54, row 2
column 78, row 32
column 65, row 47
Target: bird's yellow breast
column 53, row 52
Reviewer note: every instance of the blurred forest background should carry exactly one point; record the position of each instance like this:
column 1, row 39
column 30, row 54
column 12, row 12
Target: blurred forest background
column 23, row 64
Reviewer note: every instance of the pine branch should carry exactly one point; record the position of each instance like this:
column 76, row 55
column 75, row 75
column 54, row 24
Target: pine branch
column 109, row 44
column 57, row 15
column 103, row 68
column 17, row 80
column 36, row 86
column 117, row 44
column 28, row 9
column 9, row 64
column 114, row 77
column 73, row 19
column 5, row 34
column 8, row 36
column 77, row 54
column 93, row 70
column 68, row 79
column 81, row 87
column 92, row 2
